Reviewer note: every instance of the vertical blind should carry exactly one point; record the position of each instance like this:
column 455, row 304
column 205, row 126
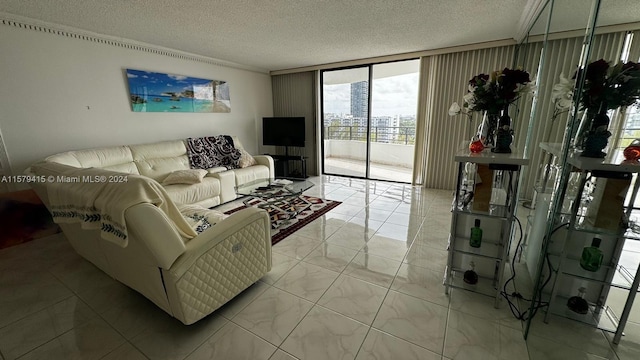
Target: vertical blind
column 449, row 75
column 295, row 95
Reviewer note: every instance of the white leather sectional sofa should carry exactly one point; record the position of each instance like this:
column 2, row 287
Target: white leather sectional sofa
column 187, row 276
column 157, row 160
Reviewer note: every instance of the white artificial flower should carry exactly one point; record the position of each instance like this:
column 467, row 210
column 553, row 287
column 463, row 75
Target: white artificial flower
column 530, row 87
column 562, row 93
column 454, row 109
column 469, row 99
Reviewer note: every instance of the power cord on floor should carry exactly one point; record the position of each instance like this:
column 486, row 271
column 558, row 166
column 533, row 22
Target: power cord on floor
column 537, row 302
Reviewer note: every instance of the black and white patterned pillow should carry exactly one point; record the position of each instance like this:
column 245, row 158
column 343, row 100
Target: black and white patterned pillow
column 212, row 151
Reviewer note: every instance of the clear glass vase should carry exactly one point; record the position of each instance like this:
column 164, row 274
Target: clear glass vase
column 487, row 129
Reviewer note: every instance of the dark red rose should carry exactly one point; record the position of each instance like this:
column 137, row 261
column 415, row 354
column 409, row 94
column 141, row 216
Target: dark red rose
column 480, row 78
column 515, row 76
column 597, row 70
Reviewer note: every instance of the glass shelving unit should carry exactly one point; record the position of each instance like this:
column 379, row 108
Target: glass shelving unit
column 486, row 190
column 603, row 195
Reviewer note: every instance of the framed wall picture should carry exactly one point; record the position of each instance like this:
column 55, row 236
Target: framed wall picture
column 159, row 92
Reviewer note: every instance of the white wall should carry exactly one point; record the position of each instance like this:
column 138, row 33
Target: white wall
column 59, row 93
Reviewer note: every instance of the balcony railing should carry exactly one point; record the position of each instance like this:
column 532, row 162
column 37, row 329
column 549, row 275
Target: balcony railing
column 405, row 135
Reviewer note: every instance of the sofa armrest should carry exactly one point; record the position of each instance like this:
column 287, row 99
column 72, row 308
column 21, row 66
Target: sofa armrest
column 227, row 185
column 267, row 161
column 150, row 225
column 219, row 264
column 251, row 224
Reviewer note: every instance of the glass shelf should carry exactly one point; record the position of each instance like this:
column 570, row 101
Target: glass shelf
column 601, row 317
column 488, row 249
column 484, row 285
column 622, row 277
column 631, row 233
column 548, row 190
column 495, row 211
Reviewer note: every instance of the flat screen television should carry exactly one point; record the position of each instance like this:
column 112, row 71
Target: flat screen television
column 283, row 131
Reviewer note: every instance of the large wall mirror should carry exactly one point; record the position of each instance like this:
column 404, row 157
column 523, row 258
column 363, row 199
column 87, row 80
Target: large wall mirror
column 568, row 35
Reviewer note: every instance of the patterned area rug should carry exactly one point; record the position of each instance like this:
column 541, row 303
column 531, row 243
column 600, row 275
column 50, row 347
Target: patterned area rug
column 308, row 208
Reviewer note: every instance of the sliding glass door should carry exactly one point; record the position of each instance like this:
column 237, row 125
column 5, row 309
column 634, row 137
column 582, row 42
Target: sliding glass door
column 369, row 119
column 345, row 104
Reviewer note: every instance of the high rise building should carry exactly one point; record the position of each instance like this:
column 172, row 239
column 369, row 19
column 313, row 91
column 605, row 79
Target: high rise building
column 360, row 99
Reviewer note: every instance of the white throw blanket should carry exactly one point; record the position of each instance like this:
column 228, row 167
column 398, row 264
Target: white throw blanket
column 101, row 204
column 200, row 218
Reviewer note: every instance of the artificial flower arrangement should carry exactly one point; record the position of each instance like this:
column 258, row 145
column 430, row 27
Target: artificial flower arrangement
column 609, row 87
column 605, row 88
column 562, row 98
column 492, row 94
column 562, row 94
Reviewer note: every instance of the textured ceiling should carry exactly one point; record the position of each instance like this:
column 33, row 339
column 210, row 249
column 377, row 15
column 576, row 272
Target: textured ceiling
column 284, row 34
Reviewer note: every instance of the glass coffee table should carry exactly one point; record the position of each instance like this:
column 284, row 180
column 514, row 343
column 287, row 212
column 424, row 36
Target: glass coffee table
column 276, row 196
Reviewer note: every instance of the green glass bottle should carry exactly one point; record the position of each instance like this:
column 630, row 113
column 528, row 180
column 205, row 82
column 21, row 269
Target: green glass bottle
column 476, row 235
column 591, row 259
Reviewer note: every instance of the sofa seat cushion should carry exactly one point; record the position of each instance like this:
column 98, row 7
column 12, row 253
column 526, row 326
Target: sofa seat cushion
column 251, row 173
column 191, row 194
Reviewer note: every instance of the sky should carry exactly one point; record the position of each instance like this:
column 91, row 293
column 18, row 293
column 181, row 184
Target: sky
column 158, row 83
column 396, row 95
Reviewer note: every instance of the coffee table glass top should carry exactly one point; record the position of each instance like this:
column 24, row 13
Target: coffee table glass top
column 266, row 188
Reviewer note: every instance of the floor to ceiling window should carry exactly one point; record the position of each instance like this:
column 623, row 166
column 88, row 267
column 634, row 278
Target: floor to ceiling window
column 369, row 120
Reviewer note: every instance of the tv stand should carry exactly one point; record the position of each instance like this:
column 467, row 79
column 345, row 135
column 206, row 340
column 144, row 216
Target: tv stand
column 281, row 163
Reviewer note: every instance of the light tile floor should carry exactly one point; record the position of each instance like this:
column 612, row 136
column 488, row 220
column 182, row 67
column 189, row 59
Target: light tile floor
column 362, row 282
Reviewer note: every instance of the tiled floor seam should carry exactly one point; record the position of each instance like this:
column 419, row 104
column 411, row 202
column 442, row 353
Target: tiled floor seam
column 196, row 348
column 307, row 313
column 41, row 309
column 277, row 346
column 378, row 312
column 327, row 289
column 100, row 315
column 613, row 350
column 71, row 329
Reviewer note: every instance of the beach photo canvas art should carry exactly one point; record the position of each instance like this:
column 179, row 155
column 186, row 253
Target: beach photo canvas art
column 158, row 92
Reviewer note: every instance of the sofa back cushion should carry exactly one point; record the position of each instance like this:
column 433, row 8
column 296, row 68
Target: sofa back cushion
column 116, row 158
column 157, row 160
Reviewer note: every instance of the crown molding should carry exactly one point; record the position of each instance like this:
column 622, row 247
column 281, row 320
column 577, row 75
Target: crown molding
column 25, row 23
column 530, row 14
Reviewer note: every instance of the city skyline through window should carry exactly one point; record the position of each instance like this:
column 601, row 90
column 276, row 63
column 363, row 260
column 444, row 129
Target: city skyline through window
column 369, row 120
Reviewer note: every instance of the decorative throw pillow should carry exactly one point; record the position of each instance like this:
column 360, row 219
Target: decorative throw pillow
column 191, row 176
column 246, row 159
column 212, row 151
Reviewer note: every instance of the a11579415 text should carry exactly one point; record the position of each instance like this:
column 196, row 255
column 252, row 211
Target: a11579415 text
column 64, row 179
